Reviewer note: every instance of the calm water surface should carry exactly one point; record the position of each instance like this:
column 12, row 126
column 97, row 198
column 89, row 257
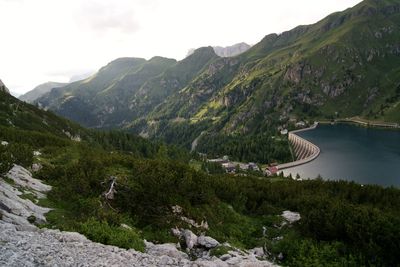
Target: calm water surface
column 363, row 155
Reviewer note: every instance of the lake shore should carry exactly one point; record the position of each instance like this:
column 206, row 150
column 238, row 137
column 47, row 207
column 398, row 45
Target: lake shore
column 363, row 122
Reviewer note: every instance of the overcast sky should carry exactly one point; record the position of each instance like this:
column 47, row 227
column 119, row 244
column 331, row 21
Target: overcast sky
column 52, row 40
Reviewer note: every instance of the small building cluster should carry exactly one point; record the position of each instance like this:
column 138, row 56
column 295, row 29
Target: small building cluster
column 233, row 167
column 271, row 170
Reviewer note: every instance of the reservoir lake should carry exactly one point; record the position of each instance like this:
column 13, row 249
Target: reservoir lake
column 353, row 153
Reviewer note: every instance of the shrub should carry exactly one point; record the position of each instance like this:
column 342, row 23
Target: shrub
column 102, row 232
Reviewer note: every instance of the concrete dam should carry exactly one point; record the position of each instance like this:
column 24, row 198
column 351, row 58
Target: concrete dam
column 303, row 150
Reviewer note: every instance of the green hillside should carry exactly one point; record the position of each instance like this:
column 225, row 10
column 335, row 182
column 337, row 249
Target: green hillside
column 22, row 116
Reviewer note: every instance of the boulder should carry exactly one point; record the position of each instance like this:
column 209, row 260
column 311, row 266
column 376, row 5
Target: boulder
column 190, row 238
column 36, row 167
column 291, row 216
column 258, row 252
column 207, row 242
column 176, row 232
column 225, row 257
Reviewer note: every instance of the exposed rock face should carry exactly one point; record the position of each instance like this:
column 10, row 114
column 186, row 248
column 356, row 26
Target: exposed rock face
column 16, row 210
column 23, row 177
column 3, row 88
column 295, row 73
column 46, row 247
column 55, row 248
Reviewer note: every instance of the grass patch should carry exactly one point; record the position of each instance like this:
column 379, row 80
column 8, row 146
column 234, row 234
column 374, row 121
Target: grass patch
column 8, row 180
column 102, row 232
column 219, row 251
column 29, row 196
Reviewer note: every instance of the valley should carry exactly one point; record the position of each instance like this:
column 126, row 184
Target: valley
column 281, row 153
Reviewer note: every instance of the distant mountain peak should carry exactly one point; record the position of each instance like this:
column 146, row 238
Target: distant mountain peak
column 228, row 51
column 203, row 53
column 204, row 50
column 40, row 90
column 231, row 51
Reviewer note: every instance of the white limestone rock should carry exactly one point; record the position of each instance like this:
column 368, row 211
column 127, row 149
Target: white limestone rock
column 168, row 249
column 190, row 238
column 13, row 207
column 225, row 257
column 23, row 177
column 207, row 242
column 46, row 247
column 176, row 232
column 258, row 252
column 36, row 167
column 290, row 216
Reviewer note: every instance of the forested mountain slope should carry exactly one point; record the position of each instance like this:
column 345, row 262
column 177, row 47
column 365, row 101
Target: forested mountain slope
column 18, row 115
column 124, row 89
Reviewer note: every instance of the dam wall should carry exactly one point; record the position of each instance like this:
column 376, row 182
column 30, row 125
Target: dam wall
column 303, row 150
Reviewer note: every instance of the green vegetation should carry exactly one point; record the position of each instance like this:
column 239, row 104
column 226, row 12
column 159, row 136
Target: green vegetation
column 260, row 148
column 102, row 232
column 15, row 153
column 219, row 251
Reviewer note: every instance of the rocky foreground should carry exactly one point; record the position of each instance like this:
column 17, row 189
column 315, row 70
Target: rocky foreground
column 46, row 247
column 23, row 244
